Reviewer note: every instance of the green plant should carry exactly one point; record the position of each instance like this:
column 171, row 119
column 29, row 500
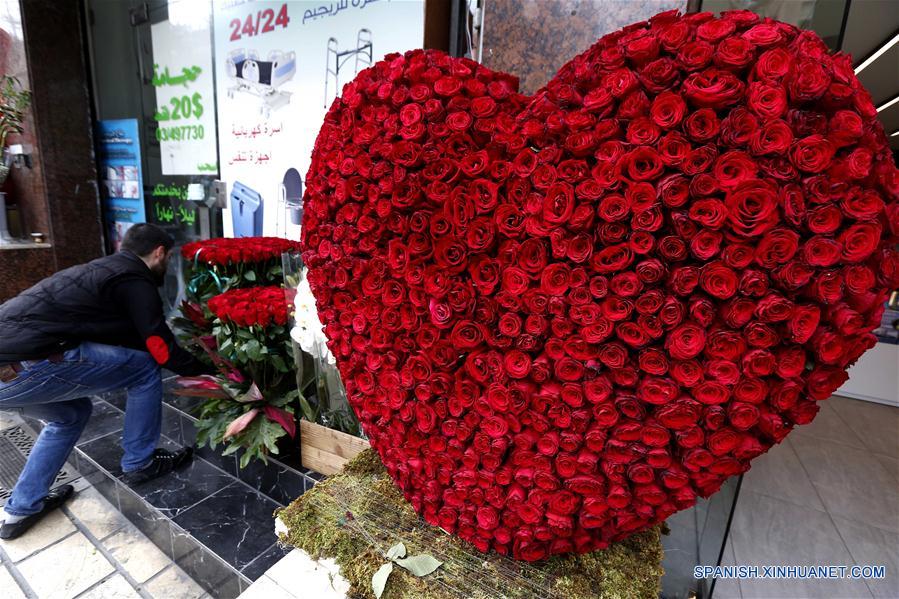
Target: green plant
column 14, row 101
column 253, row 401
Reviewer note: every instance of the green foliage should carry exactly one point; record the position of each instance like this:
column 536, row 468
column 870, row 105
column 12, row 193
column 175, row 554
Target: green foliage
column 204, row 281
column 264, row 358
column 14, row 101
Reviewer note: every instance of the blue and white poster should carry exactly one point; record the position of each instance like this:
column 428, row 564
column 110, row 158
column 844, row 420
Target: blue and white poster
column 121, row 180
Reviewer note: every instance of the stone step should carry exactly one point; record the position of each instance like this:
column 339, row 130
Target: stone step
column 211, row 518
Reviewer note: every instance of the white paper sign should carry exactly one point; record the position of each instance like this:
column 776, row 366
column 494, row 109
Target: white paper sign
column 185, row 105
column 279, row 66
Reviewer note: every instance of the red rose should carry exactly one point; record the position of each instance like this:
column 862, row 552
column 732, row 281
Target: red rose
column 713, row 88
column 695, row 55
column 644, row 164
column 808, row 80
column 859, row 241
column 447, row 86
column 739, row 127
column 734, row 53
column 685, row 342
column 824, row 380
column 718, row 280
column 742, row 416
column 668, row 109
column 733, row 168
column 766, row 100
column 773, row 137
column 773, row 64
column 844, row 128
column 752, row 207
column 558, row 203
column 812, row 154
column 777, row 247
column 517, row 364
column 821, row 251
column 723, row 441
column 824, row 219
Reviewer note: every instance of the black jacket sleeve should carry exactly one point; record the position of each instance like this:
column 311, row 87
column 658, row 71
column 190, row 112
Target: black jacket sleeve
column 142, row 302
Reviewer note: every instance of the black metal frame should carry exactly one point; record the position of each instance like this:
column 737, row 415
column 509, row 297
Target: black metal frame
column 730, row 519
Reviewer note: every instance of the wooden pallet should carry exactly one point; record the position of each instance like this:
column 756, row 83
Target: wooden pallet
column 325, row 450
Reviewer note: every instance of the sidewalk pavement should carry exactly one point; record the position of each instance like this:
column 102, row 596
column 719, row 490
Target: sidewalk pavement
column 88, row 550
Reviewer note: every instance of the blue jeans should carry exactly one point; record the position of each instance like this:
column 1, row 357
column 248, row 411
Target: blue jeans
column 57, row 392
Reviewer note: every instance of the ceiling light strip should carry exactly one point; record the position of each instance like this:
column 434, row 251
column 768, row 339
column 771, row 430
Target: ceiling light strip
column 892, row 42
column 888, row 104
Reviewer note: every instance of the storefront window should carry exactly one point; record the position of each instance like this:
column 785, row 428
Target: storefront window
column 223, row 101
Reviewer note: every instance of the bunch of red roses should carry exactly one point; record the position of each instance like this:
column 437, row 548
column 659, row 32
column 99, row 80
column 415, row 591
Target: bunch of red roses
column 237, row 312
column 252, row 306
column 562, row 318
column 218, row 265
column 238, row 250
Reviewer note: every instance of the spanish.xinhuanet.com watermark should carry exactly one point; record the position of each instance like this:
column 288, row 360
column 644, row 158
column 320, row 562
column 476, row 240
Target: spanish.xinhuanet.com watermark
column 743, row 572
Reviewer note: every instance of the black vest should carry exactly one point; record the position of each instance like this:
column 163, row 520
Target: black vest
column 69, row 307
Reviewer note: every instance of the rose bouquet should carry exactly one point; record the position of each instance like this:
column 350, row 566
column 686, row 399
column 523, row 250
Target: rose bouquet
column 561, row 319
column 228, row 263
column 217, row 265
column 251, row 403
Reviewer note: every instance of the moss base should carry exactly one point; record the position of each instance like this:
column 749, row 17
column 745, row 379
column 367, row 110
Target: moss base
column 355, row 516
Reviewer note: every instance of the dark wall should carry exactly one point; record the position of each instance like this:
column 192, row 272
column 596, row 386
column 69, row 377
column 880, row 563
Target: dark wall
column 54, row 47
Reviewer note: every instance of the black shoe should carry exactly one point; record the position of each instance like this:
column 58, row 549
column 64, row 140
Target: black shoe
column 53, row 500
column 164, row 461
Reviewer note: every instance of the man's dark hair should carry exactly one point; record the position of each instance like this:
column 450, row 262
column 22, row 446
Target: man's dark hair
column 143, row 238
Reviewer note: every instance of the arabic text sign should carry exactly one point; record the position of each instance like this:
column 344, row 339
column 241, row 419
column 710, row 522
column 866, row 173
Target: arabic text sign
column 331, row 9
column 182, row 76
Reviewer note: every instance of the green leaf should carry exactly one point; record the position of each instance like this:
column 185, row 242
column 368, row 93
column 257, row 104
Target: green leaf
column 244, row 460
column 398, row 550
column 231, row 449
column 278, row 362
column 226, row 345
column 250, row 275
column 379, row 580
column 308, row 412
column 253, row 349
column 420, row 565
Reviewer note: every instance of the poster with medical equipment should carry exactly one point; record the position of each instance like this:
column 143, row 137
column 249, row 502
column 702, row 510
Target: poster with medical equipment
column 185, row 103
column 278, row 68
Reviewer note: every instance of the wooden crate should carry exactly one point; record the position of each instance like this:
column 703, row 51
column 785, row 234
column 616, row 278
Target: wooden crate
column 325, row 450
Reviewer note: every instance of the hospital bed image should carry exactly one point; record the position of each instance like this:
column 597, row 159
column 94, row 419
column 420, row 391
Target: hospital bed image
column 261, row 78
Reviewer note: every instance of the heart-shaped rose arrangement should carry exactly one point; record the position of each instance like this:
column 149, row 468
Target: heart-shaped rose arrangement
column 561, row 319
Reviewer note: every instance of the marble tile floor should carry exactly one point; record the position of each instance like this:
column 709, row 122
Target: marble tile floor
column 211, row 520
column 827, row 495
column 87, row 550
